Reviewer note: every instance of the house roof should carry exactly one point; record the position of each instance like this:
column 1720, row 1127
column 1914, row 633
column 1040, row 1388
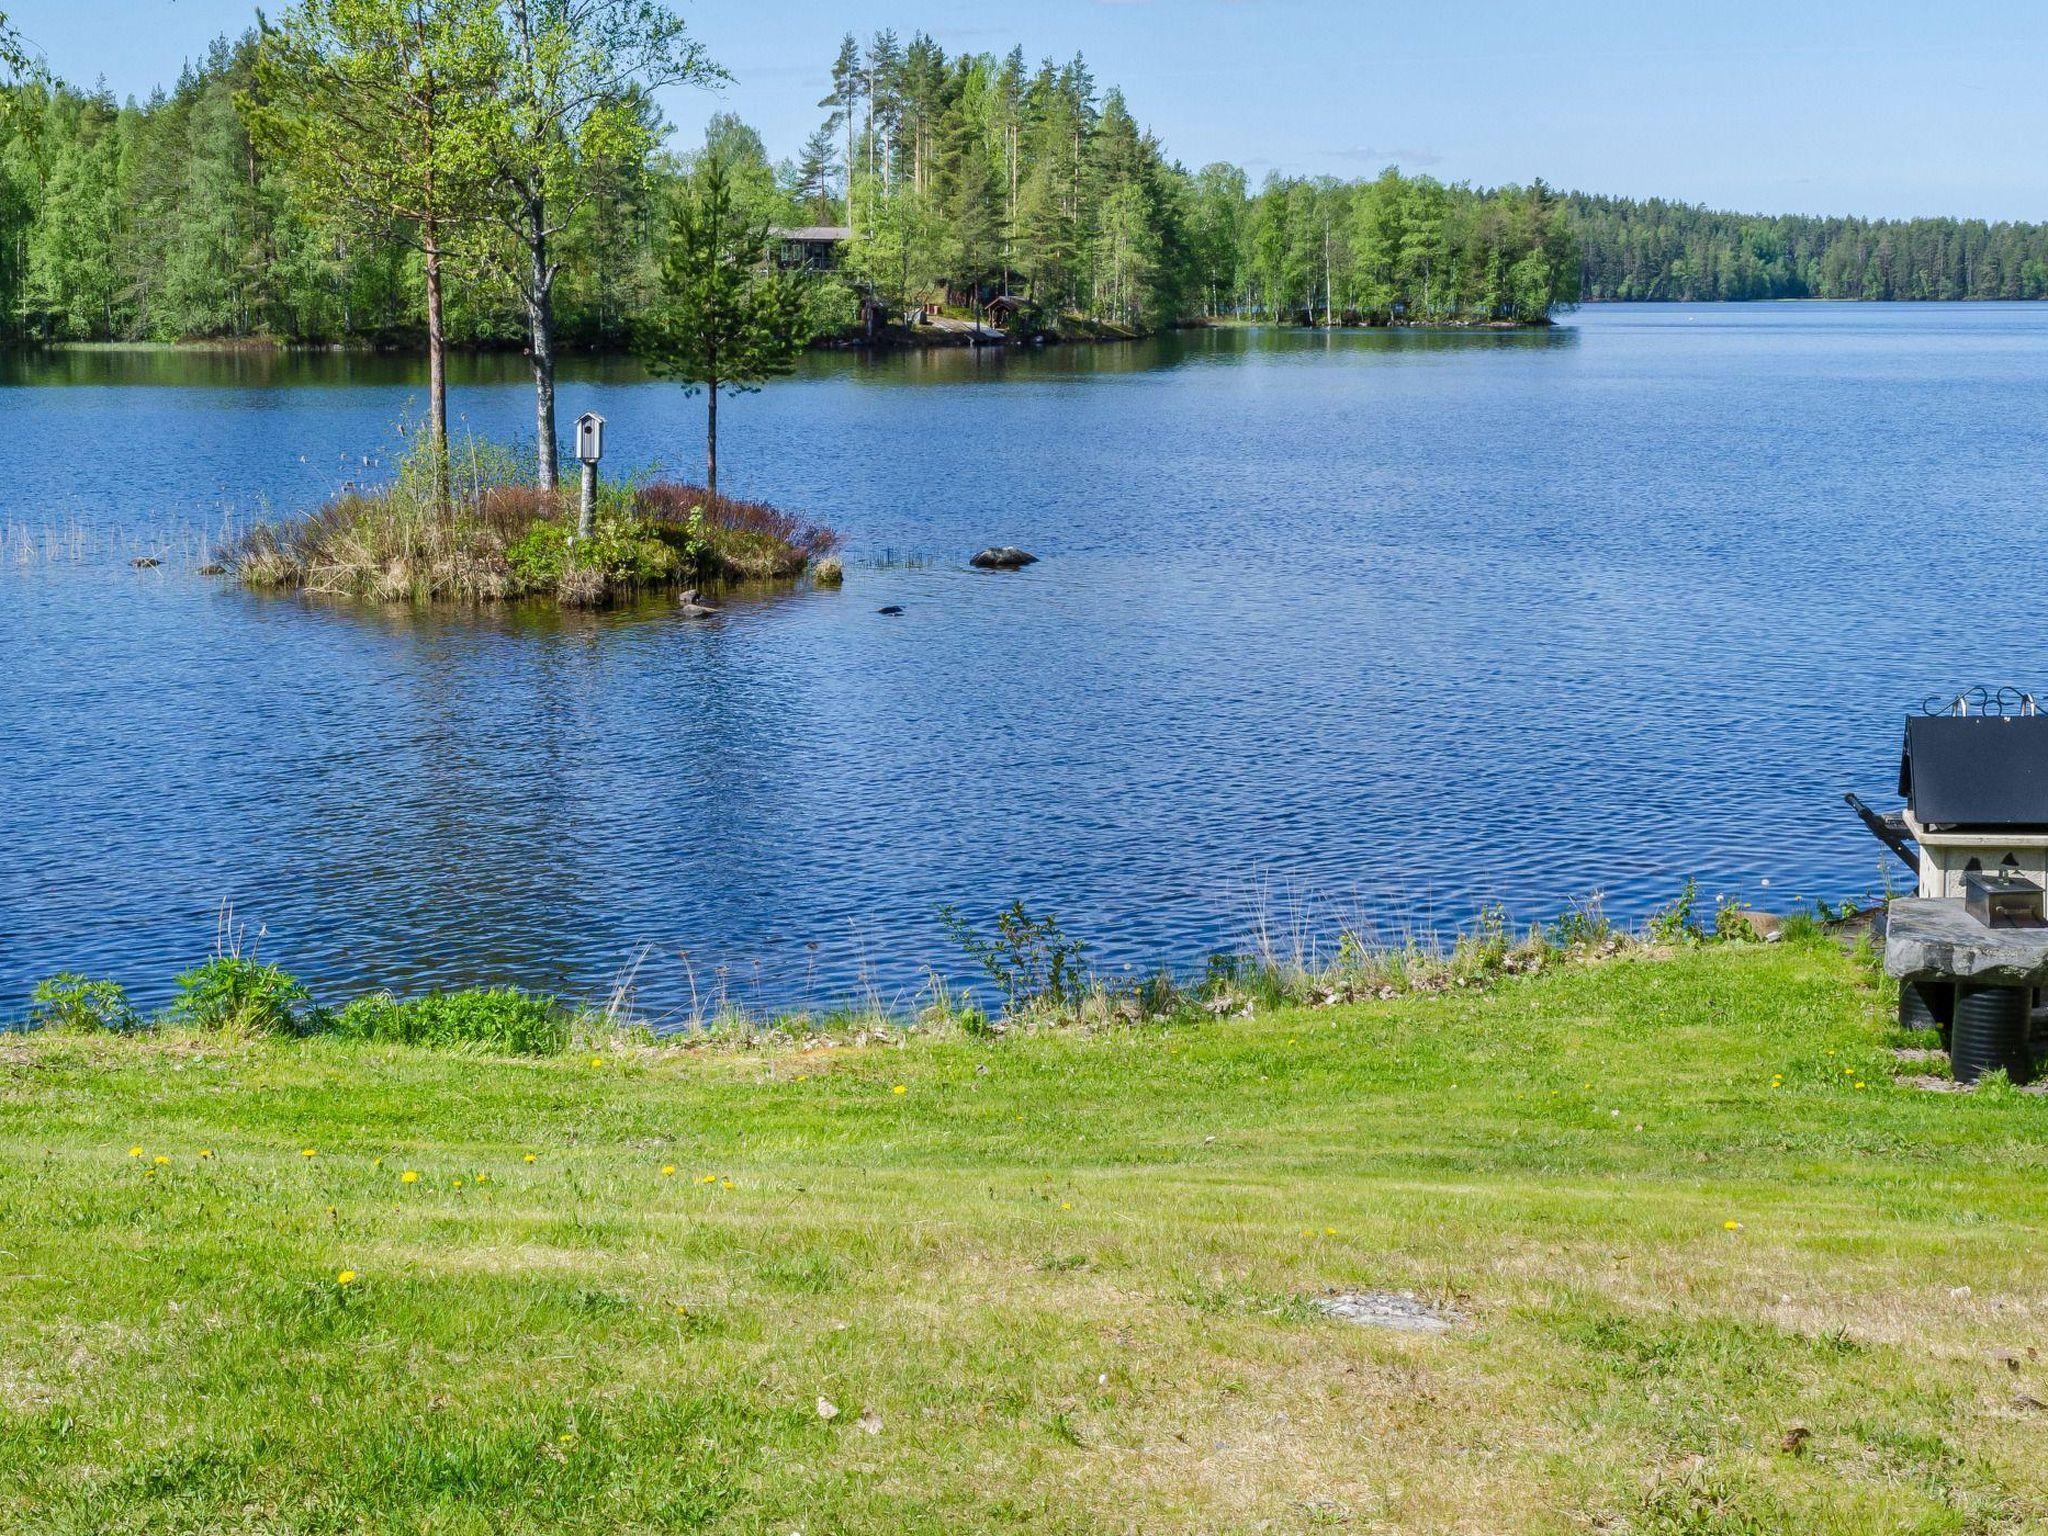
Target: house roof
column 815, row 233
column 1976, row 770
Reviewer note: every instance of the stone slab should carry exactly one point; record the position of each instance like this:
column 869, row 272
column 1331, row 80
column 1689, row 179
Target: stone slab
column 1934, row 939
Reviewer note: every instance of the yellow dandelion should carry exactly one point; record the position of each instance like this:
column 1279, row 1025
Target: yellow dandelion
column 899, row 1088
column 206, row 1151
column 483, row 1178
column 410, row 1176
column 458, row 1184
column 531, row 1158
column 1329, row 1231
column 709, row 1178
column 727, row 1184
column 135, row 1151
column 1859, row 1085
column 160, row 1160
column 597, row 1061
column 1731, row 1226
column 1066, row 1205
column 307, row 1152
column 346, row 1277
column 376, row 1162
column 668, row 1170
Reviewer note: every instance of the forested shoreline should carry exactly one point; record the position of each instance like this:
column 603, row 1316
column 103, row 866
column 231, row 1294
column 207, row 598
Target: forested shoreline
column 960, row 176
column 1657, row 250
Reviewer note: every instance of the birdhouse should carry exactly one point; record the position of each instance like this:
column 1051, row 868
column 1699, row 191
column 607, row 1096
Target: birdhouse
column 590, row 437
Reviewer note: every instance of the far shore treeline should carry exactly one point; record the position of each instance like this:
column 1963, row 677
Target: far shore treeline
column 961, row 176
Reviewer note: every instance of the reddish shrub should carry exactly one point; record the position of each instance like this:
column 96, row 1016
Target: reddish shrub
column 672, row 501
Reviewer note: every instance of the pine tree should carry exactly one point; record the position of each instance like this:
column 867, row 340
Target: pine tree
column 725, row 320
column 815, row 173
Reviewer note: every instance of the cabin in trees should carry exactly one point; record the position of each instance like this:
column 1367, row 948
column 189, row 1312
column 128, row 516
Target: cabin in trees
column 813, row 248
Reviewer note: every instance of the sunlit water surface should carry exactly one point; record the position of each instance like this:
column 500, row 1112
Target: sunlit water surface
column 1359, row 628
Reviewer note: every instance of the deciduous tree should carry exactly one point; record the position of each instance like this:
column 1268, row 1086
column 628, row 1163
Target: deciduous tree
column 573, row 115
column 376, row 109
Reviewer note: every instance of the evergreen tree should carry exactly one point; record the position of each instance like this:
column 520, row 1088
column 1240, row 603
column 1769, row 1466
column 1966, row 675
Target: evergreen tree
column 816, row 173
column 726, row 320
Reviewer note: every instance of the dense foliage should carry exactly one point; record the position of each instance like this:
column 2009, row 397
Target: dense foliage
column 1660, row 250
column 971, row 174
column 961, row 176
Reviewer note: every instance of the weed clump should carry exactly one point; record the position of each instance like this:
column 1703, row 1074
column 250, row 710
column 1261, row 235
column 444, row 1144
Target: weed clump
column 71, row 1004
column 234, row 995
column 500, row 1019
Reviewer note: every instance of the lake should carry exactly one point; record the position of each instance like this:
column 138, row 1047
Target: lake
column 1359, row 628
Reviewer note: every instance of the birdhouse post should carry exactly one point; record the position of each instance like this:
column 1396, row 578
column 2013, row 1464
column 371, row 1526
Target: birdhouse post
column 589, row 449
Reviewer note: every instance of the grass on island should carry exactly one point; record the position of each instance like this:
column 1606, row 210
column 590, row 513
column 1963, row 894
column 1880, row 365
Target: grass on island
column 1716, row 1273
column 497, row 537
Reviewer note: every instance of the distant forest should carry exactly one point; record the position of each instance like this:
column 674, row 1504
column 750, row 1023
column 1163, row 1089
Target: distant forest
column 961, row 176
column 1660, row 250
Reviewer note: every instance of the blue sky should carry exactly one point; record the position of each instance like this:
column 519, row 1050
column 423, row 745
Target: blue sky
column 1862, row 107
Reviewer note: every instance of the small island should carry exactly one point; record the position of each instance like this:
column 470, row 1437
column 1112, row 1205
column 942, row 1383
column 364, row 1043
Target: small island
column 496, row 539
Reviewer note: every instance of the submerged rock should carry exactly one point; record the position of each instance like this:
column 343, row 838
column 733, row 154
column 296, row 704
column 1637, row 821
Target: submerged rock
column 892, row 611
column 145, row 562
column 1002, row 557
column 691, row 604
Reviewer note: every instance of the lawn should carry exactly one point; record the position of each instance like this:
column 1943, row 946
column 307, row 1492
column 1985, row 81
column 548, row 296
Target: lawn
column 1056, row 1283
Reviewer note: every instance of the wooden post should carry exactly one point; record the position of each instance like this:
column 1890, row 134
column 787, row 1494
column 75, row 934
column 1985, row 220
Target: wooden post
column 586, row 521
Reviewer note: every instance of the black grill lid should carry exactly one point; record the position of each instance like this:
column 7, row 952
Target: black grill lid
column 1976, row 770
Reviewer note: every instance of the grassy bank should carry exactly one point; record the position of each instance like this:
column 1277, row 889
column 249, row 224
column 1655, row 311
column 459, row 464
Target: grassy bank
column 495, row 537
column 1714, row 1272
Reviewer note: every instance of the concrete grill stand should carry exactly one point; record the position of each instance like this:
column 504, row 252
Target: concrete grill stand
column 1970, row 948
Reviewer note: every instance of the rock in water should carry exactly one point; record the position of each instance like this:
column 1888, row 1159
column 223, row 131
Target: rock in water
column 145, row 562
column 693, row 606
column 1002, row 557
column 892, row 611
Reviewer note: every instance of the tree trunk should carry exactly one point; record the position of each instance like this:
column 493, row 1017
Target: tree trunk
column 540, row 317
column 711, row 442
column 437, row 365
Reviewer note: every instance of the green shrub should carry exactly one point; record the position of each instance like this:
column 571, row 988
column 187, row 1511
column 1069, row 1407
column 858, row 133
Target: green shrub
column 1030, row 958
column 71, row 1004
column 1678, row 923
column 624, row 552
column 235, row 996
column 498, row 1019
column 1731, row 921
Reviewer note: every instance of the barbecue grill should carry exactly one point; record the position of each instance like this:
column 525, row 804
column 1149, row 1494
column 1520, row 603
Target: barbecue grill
column 1970, row 947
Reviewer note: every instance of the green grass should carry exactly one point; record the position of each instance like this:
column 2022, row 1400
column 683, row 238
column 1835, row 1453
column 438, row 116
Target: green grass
column 1068, row 1271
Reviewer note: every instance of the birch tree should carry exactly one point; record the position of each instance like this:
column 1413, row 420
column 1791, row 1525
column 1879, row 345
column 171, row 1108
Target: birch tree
column 374, row 110
column 574, row 114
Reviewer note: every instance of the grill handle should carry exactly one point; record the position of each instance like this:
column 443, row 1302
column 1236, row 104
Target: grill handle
column 1888, row 832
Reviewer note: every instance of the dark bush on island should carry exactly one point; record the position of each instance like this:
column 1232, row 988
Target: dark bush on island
column 491, row 536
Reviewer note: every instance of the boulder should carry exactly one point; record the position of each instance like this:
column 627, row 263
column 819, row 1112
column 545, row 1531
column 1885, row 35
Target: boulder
column 1764, row 926
column 892, row 611
column 1002, row 557
column 692, row 605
